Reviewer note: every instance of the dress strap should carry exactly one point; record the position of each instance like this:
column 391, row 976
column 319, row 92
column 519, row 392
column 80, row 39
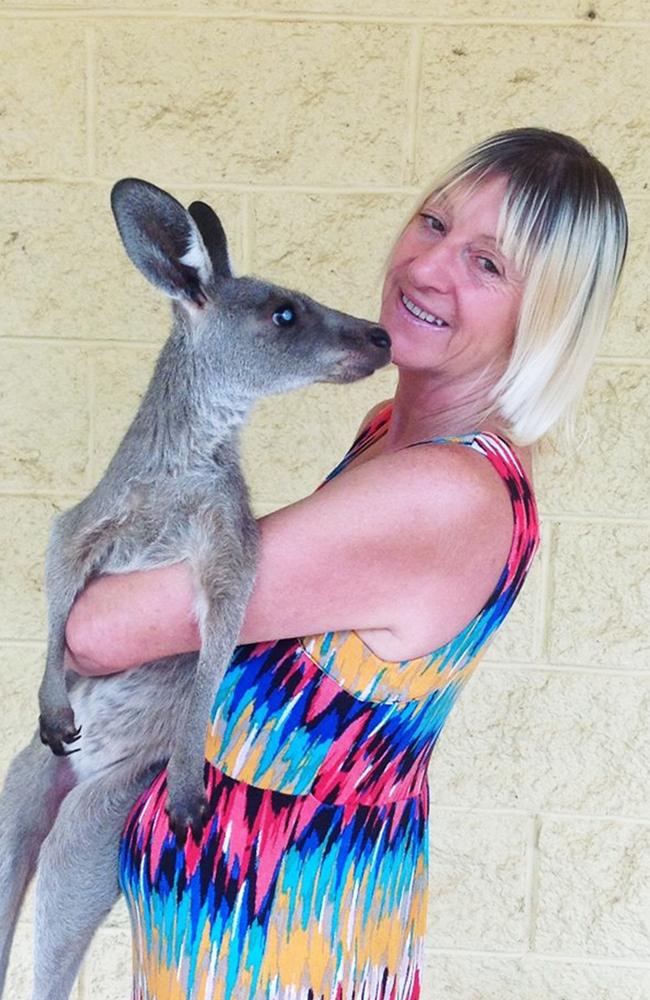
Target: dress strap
column 526, row 534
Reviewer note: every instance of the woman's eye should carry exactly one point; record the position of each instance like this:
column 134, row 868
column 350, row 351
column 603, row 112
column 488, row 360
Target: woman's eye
column 491, row 268
column 433, row 222
column 284, row 316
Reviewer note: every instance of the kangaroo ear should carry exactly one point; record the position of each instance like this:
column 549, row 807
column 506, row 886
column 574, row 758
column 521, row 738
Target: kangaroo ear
column 214, row 238
column 162, row 240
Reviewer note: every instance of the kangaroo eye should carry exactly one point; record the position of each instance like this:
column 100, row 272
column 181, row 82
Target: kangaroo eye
column 284, row 316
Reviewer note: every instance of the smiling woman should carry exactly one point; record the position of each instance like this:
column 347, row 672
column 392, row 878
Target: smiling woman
column 527, row 232
column 375, row 599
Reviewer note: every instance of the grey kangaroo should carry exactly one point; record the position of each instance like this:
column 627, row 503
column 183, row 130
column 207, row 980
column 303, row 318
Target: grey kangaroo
column 173, row 491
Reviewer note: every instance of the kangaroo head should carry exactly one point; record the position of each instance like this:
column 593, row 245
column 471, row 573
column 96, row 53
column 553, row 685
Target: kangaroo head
column 257, row 338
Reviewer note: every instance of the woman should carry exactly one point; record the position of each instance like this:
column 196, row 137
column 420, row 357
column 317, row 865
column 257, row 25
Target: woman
column 310, row 880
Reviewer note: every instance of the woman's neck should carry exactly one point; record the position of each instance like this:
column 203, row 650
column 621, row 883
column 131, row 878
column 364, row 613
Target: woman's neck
column 425, row 407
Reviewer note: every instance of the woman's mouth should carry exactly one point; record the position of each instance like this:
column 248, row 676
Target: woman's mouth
column 421, row 314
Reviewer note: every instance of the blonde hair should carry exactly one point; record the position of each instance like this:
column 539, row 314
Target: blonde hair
column 564, row 225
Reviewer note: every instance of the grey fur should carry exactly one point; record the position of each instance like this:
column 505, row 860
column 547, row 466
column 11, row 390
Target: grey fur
column 173, row 491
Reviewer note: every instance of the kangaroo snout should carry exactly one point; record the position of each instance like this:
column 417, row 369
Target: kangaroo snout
column 379, row 337
column 368, row 347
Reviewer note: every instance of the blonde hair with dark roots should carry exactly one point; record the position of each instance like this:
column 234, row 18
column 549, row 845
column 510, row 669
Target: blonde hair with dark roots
column 564, row 225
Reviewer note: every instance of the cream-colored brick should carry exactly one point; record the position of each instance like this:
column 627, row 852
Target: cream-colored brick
column 65, row 271
column 333, row 247
column 601, row 595
column 44, row 416
column 540, row 741
column 42, row 80
column 252, row 101
column 21, row 669
column 121, row 376
column 593, row 889
column 482, row 977
column 451, row 9
column 25, row 524
column 476, row 882
column 106, row 973
column 555, row 77
column 294, row 441
column 609, row 473
column 627, row 333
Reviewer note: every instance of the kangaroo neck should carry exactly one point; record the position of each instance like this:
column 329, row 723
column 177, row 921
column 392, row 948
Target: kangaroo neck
column 185, row 419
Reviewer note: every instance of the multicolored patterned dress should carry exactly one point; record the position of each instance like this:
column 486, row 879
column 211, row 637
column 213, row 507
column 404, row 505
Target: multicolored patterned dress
column 310, row 882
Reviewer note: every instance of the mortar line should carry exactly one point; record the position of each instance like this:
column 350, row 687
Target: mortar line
column 540, row 956
column 91, row 398
column 543, row 627
column 532, row 879
column 91, row 44
column 247, row 232
column 586, row 669
column 550, row 814
column 613, row 359
column 233, row 187
column 618, row 963
column 588, row 518
column 84, row 341
column 412, row 103
column 296, row 17
column 25, row 643
column 238, row 187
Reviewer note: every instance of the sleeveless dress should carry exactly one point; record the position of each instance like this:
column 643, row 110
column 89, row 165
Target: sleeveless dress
column 310, row 881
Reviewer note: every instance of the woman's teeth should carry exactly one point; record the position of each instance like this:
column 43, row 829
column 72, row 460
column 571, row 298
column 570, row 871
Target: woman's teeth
column 421, row 314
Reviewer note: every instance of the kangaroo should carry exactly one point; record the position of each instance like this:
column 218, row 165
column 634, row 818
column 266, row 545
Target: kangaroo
column 173, row 491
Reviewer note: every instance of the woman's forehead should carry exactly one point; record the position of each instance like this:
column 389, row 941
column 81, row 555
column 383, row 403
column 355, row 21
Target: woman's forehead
column 456, row 192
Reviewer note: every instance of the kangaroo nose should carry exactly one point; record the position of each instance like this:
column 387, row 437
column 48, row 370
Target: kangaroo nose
column 379, row 337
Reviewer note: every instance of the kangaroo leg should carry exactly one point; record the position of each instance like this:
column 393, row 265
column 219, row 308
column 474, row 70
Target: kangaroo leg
column 226, row 584
column 34, row 788
column 77, row 879
column 74, row 553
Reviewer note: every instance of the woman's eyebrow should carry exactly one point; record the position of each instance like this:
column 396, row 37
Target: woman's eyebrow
column 441, row 200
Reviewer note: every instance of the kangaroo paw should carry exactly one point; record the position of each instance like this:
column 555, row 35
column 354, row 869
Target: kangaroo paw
column 187, row 813
column 59, row 729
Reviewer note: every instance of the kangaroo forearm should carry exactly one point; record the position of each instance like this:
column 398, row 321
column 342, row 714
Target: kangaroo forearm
column 123, row 620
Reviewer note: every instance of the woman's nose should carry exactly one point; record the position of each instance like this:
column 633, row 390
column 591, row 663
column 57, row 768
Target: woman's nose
column 432, row 267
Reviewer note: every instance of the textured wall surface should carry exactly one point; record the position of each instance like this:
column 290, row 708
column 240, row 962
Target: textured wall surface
column 311, row 125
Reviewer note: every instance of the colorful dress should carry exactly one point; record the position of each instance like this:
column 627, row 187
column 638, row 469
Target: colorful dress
column 310, row 882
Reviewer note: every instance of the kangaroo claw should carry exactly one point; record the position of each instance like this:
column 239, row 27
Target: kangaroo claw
column 58, row 732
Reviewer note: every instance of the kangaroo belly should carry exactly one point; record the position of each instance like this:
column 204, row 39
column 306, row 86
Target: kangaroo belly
column 130, row 716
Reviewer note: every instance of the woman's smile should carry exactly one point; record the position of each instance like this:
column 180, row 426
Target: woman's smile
column 419, row 311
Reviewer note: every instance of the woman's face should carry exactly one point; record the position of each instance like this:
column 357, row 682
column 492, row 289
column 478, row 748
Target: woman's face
column 446, row 265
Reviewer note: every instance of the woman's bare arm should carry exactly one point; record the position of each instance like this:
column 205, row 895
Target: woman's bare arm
column 357, row 554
